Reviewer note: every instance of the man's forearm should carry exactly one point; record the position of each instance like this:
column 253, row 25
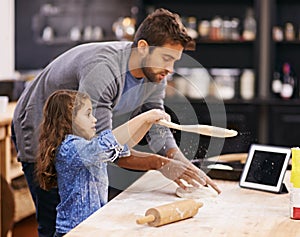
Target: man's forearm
column 175, row 153
column 142, row 161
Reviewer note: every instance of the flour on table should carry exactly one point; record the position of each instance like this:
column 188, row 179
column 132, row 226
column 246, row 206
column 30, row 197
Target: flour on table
column 196, row 193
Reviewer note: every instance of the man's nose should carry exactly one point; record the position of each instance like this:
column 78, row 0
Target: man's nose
column 170, row 67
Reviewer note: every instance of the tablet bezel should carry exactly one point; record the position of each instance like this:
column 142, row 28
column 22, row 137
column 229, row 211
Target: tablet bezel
column 266, row 148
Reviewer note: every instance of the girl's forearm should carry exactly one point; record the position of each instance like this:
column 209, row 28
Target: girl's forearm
column 133, row 131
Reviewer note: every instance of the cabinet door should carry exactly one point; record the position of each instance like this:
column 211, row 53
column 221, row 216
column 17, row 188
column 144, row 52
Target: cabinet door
column 284, row 123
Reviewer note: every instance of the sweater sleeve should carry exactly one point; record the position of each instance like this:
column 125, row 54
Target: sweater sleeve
column 103, row 84
column 81, row 152
column 159, row 138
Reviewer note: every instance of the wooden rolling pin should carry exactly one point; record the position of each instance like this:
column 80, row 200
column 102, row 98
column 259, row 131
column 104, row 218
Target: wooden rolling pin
column 171, row 212
column 201, row 129
column 241, row 157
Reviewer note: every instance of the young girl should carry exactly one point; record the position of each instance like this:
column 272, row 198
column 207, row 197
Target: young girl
column 72, row 158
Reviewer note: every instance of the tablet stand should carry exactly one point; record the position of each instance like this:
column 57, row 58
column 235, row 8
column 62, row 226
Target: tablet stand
column 283, row 189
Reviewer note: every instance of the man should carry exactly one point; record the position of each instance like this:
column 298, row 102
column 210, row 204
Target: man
column 120, row 77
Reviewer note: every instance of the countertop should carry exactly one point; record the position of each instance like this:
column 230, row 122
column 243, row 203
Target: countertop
column 235, row 212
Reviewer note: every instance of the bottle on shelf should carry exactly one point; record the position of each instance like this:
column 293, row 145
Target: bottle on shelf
column 277, row 33
column 227, row 29
column 249, row 31
column 289, row 31
column 192, row 27
column 204, row 29
column 276, row 84
column 48, row 34
column 216, row 28
column 284, row 83
column 235, row 29
column 247, row 84
column 288, row 82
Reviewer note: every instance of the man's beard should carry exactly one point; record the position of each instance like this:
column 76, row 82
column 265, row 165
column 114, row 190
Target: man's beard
column 149, row 74
column 148, row 71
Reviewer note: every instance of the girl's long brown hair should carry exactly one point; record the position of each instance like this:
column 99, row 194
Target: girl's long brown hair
column 59, row 110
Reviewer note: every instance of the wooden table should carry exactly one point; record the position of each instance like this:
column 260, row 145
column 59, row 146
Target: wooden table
column 5, row 142
column 236, row 212
column 10, row 168
column 5, row 151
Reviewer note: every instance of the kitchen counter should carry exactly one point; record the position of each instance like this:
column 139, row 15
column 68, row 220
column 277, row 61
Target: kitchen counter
column 236, row 212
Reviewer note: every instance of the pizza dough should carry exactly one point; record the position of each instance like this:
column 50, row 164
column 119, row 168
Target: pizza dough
column 196, row 193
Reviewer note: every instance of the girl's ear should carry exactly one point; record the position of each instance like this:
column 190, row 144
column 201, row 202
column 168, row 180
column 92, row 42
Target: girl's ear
column 143, row 47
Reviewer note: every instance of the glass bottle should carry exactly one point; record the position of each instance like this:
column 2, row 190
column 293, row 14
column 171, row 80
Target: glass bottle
column 203, row 29
column 276, row 84
column 288, row 81
column 289, row 31
column 235, row 31
column 249, row 32
column 216, row 28
column 192, row 27
column 247, row 84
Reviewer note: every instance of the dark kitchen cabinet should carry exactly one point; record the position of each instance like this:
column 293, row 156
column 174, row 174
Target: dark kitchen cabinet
column 260, row 120
column 284, row 122
column 286, row 49
column 284, row 115
column 240, row 116
column 223, row 52
column 56, row 19
column 268, row 118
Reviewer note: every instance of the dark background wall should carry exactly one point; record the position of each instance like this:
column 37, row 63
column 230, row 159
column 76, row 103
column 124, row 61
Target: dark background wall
column 30, row 20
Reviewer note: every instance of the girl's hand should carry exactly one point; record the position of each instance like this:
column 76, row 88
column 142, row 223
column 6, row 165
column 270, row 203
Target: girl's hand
column 154, row 115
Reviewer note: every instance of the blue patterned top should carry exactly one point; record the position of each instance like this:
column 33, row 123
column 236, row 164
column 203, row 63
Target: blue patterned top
column 82, row 176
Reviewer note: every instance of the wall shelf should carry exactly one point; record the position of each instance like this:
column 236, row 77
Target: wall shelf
column 225, row 42
column 68, row 42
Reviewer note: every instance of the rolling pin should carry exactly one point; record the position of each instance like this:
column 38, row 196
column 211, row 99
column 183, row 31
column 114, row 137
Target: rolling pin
column 171, row 212
column 241, row 157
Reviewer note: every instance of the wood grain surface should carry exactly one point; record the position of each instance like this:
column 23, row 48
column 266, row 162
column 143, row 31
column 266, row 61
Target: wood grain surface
column 236, row 212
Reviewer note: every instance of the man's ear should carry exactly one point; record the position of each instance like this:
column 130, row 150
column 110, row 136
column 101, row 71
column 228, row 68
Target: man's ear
column 143, row 47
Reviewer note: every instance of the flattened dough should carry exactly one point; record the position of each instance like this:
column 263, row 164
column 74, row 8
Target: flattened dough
column 196, row 193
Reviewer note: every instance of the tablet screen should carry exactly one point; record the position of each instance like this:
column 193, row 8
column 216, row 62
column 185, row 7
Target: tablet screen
column 265, row 167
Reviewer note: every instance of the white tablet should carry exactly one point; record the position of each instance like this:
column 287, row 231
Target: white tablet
column 265, row 167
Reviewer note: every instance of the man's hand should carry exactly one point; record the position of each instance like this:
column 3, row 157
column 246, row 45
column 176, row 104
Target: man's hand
column 179, row 172
column 178, row 168
column 191, row 173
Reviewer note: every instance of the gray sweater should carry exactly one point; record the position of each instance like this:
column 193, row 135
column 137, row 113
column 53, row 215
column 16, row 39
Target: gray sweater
column 98, row 69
